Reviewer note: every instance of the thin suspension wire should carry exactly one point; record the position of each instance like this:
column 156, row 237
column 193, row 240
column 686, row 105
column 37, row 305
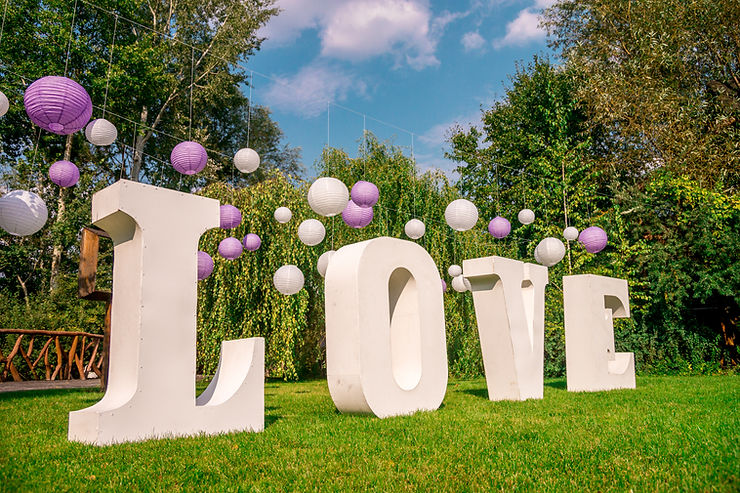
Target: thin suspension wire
column 249, row 106
column 69, row 43
column 2, row 26
column 110, row 64
column 192, row 71
column 328, row 127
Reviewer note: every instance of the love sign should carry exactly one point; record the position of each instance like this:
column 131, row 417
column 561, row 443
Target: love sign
column 386, row 350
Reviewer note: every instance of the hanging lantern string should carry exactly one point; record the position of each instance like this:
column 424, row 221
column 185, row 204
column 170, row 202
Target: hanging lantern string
column 192, row 70
column 364, row 147
column 71, row 34
column 328, row 126
column 110, row 64
column 36, row 148
column 2, row 26
column 249, row 106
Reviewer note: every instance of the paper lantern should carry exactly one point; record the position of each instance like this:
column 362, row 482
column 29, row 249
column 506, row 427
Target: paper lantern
column 444, row 286
column 22, row 213
column 246, row 160
column 64, row 173
column 58, row 104
column 288, row 279
column 525, row 216
column 205, row 265
column 101, row 132
column 328, row 196
column 4, row 104
column 593, row 238
column 460, row 284
column 461, row 214
column 311, row 232
column 537, row 256
column 570, row 233
column 230, row 216
column 251, row 242
column 230, row 248
column 323, row 262
column 454, row 270
column 283, row 215
column 355, row 216
column 415, row 229
column 365, row 194
column 188, row 157
column 499, row 227
column 549, row 251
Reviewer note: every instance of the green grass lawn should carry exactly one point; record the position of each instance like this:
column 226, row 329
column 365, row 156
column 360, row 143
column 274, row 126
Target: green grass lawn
column 670, row 434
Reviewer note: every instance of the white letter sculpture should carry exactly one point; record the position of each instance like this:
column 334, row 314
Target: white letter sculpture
column 385, row 329
column 151, row 387
column 590, row 303
column 509, row 298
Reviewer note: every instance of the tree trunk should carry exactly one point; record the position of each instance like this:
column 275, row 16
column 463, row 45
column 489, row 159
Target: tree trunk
column 25, row 290
column 139, row 143
column 56, row 254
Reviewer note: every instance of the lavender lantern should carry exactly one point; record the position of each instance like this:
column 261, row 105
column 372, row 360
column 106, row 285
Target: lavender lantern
column 64, row 173
column 499, row 227
column 188, row 157
column 444, row 286
column 365, row 194
column 230, row 217
column 593, row 238
column 205, row 265
column 251, row 242
column 230, row 248
column 58, row 104
column 356, row 216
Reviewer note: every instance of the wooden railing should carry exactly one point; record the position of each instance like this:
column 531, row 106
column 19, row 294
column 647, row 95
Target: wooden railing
column 64, row 354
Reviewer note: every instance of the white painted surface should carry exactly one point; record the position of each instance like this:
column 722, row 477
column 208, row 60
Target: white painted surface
column 590, row 303
column 385, row 330
column 151, row 387
column 509, row 299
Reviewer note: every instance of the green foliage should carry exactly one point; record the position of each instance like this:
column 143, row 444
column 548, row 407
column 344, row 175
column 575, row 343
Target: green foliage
column 669, row 434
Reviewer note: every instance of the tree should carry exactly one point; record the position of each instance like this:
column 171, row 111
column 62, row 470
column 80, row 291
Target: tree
column 662, row 77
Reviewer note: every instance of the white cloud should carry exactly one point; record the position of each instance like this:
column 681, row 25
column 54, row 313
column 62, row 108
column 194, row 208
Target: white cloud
column 357, row 30
column 438, row 134
column 523, row 29
column 472, row 41
column 307, row 92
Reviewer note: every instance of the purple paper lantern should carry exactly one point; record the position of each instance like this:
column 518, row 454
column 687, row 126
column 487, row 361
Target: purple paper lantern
column 356, row 216
column 252, row 242
column 58, row 104
column 230, row 217
column 593, row 238
column 365, row 194
column 230, row 248
column 499, row 227
column 444, row 286
column 188, row 157
column 64, row 173
column 205, row 265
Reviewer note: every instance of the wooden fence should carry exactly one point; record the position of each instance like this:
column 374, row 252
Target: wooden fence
column 66, row 355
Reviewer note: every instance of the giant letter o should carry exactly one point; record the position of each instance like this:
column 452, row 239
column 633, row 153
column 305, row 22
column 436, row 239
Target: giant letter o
column 385, row 329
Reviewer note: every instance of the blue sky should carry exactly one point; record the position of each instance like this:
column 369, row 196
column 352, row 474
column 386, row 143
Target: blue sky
column 417, row 66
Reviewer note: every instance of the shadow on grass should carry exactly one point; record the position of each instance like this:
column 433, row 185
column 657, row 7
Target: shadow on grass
column 482, row 393
column 559, row 384
column 93, row 393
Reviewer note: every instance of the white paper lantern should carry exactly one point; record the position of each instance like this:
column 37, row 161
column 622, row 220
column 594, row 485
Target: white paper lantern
column 550, row 251
column 415, row 229
column 460, row 284
column 537, row 256
column 288, row 279
column 526, row 216
column 4, row 104
column 246, row 160
column 323, row 262
column 454, row 270
column 570, row 233
column 311, row 232
column 461, row 214
column 283, row 214
column 101, row 132
column 22, row 213
column 328, row 196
